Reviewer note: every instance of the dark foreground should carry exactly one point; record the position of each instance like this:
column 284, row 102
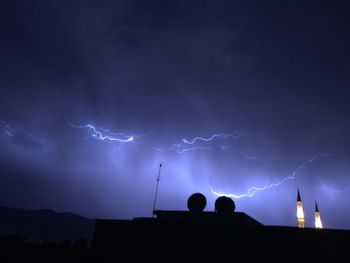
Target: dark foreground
column 152, row 240
column 20, row 249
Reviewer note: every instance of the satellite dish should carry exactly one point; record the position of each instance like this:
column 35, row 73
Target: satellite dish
column 196, row 202
column 224, row 204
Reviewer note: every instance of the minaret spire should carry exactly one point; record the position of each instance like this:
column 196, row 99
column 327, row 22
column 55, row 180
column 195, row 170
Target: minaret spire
column 300, row 212
column 318, row 222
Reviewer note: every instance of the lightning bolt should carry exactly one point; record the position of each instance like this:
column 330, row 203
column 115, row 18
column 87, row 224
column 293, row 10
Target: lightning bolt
column 104, row 134
column 182, row 147
column 236, row 135
column 179, row 150
column 255, row 189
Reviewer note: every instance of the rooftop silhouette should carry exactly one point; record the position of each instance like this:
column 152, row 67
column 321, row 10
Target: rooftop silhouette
column 219, row 235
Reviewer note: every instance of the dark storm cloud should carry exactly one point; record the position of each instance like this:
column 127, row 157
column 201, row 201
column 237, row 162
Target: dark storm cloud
column 278, row 72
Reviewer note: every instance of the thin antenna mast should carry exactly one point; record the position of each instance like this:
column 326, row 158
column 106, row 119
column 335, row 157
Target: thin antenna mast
column 155, row 197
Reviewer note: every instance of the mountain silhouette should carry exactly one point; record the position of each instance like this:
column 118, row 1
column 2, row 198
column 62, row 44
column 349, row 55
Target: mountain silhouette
column 45, row 225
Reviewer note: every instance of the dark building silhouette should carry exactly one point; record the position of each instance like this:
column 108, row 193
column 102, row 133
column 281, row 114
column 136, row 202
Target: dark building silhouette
column 212, row 236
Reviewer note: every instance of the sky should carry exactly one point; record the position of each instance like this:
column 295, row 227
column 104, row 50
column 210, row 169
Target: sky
column 248, row 99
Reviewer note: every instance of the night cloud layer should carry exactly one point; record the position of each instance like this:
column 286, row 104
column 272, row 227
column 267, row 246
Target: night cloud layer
column 228, row 95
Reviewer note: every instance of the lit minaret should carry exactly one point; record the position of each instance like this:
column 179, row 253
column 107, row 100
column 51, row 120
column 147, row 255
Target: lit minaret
column 318, row 222
column 300, row 212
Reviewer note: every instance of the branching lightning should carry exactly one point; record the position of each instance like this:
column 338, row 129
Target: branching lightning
column 104, row 134
column 236, row 135
column 255, row 189
column 182, row 147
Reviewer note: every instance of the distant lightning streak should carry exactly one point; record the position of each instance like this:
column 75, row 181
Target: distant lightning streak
column 332, row 190
column 253, row 190
column 252, row 158
column 180, row 151
column 19, row 134
column 182, row 146
column 104, row 134
column 220, row 136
